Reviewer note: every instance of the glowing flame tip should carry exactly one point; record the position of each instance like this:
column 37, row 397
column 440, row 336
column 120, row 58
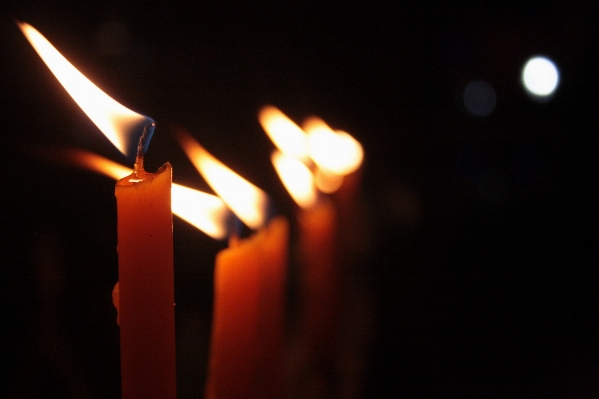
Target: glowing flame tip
column 122, row 126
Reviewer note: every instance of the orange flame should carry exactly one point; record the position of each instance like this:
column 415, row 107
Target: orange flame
column 336, row 152
column 204, row 211
column 247, row 201
column 117, row 122
column 289, row 138
column 296, row 178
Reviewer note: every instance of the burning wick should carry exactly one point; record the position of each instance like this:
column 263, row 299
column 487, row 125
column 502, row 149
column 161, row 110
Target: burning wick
column 142, row 146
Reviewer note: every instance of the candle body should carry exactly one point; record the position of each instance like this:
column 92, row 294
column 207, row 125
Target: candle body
column 247, row 344
column 146, row 285
column 320, row 281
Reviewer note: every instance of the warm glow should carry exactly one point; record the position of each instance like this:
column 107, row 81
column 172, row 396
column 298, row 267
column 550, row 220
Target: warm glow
column 296, row 178
column 327, row 182
column 204, row 211
column 247, row 201
column 121, row 126
column 335, row 152
column 94, row 162
column 284, row 133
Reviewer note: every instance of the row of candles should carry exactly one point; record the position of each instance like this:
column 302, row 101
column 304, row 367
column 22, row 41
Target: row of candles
column 247, row 349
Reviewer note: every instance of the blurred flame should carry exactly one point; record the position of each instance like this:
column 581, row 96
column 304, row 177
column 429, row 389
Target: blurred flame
column 96, row 163
column 296, row 177
column 327, row 182
column 287, row 136
column 117, row 122
column 335, row 152
column 247, row 201
column 204, row 211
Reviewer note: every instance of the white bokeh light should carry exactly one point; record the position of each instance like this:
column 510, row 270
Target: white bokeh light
column 540, row 77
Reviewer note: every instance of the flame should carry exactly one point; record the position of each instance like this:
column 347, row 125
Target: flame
column 287, row 136
column 327, row 182
column 247, row 201
column 296, row 177
column 120, row 124
column 204, row 211
column 336, row 152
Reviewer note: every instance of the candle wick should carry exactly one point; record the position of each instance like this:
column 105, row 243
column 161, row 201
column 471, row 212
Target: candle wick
column 138, row 168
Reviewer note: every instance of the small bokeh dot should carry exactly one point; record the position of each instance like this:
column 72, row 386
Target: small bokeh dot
column 479, row 98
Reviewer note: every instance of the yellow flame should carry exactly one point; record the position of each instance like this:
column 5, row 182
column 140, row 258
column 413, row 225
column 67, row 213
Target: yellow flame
column 287, row 136
column 112, row 118
column 335, row 152
column 296, row 178
column 204, row 211
column 95, row 163
column 247, row 201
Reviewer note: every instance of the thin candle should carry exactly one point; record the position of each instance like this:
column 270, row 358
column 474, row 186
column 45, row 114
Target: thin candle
column 328, row 157
column 247, row 343
column 145, row 240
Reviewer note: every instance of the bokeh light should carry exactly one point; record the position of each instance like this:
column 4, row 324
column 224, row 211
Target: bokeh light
column 479, row 98
column 540, row 78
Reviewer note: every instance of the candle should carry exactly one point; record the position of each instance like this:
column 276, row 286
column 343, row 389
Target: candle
column 146, row 284
column 310, row 158
column 145, row 244
column 247, row 343
column 319, row 275
column 338, row 157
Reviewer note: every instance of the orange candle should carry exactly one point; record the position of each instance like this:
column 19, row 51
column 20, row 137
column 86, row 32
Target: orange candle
column 320, row 285
column 247, row 345
column 146, row 284
column 317, row 158
column 145, row 294
column 319, row 276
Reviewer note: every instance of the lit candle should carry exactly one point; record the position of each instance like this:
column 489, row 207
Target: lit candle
column 338, row 157
column 145, row 243
column 311, row 159
column 247, row 343
column 146, row 284
column 320, row 283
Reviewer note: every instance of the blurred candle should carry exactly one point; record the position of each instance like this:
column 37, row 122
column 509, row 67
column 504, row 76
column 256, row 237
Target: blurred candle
column 145, row 241
column 319, row 274
column 247, row 343
column 338, row 158
column 309, row 160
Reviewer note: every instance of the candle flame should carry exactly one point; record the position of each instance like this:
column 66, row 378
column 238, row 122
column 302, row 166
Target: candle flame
column 285, row 134
column 247, row 201
column 122, row 126
column 296, row 177
column 336, row 152
column 206, row 212
column 327, row 182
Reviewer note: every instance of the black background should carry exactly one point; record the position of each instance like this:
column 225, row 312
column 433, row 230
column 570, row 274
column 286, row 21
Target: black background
column 481, row 275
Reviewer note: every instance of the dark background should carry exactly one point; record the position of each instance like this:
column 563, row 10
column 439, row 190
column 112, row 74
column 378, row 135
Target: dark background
column 480, row 277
